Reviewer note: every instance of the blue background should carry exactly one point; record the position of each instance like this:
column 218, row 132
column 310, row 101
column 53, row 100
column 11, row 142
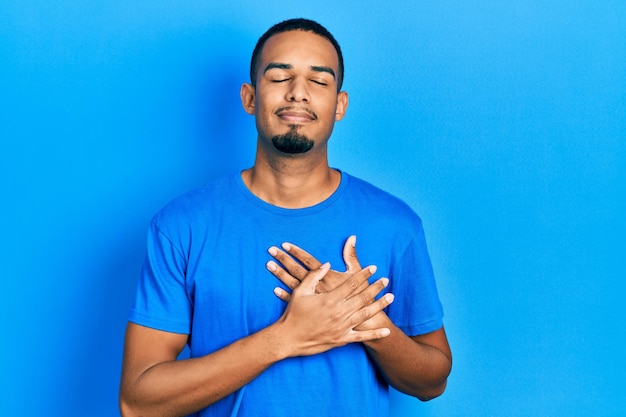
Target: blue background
column 503, row 124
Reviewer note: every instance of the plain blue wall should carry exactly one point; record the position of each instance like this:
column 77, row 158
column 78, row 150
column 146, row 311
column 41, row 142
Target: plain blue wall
column 503, row 124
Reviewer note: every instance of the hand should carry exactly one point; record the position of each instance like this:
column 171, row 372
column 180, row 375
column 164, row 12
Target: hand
column 292, row 273
column 315, row 322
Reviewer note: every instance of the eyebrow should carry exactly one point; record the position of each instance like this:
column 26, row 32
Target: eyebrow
column 316, row 68
column 324, row 69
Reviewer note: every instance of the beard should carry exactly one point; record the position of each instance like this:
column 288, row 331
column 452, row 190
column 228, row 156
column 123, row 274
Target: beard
column 292, row 142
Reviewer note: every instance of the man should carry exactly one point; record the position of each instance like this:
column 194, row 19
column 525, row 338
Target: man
column 332, row 345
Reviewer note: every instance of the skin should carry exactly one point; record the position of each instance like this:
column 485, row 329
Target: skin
column 153, row 382
column 416, row 365
column 326, row 309
column 291, row 87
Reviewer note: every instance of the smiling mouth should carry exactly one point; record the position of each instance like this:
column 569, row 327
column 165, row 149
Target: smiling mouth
column 296, row 114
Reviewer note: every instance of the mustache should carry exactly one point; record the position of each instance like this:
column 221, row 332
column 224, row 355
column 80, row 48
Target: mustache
column 290, row 108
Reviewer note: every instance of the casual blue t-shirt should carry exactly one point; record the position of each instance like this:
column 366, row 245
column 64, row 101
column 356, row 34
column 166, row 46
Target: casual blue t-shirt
column 205, row 276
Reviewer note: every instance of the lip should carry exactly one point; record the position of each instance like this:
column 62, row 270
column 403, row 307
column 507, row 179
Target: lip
column 298, row 115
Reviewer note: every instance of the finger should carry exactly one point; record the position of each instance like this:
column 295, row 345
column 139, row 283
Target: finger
column 285, row 277
column 370, row 310
column 353, row 284
column 293, row 267
column 349, row 255
column 366, row 297
column 301, row 255
column 282, row 294
column 308, row 284
column 369, row 293
column 365, row 335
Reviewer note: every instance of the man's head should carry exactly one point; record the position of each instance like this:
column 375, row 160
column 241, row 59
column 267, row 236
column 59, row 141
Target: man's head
column 290, row 25
column 295, row 92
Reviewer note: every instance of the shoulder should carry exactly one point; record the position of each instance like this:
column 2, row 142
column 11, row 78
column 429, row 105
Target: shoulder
column 380, row 202
column 196, row 204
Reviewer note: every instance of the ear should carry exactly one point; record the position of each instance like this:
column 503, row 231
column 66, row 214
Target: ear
column 342, row 105
column 247, row 94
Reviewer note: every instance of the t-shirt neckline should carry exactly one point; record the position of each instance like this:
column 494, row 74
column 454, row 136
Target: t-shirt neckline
column 240, row 186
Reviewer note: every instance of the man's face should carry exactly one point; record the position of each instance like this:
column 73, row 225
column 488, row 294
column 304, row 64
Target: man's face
column 296, row 101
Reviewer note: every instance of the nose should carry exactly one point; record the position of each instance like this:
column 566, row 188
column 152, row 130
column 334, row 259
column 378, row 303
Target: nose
column 298, row 90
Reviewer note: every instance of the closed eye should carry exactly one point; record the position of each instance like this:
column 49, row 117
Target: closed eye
column 318, row 82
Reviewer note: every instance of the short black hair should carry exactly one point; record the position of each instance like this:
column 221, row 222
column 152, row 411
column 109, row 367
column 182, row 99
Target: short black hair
column 305, row 25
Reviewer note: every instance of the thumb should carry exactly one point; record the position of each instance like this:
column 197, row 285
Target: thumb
column 309, row 283
column 349, row 255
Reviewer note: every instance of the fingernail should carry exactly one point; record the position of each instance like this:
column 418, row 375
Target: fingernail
column 385, row 281
column 372, row 268
column 271, row 265
column 286, row 246
column 385, row 332
column 389, row 297
column 325, row 265
column 353, row 241
column 273, row 251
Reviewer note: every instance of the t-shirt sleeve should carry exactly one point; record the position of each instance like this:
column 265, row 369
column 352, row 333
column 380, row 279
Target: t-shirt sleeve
column 162, row 300
column 416, row 308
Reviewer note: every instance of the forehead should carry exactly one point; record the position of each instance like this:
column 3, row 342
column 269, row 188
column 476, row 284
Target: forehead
column 299, row 47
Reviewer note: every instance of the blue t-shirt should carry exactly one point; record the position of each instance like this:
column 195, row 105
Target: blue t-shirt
column 205, row 276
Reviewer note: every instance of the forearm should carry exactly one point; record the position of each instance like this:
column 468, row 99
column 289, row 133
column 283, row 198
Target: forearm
column 154, row 383
column 181, row 387
column 414, row 368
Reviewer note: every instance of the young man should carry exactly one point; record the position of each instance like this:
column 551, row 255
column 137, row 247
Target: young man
column 332, row 345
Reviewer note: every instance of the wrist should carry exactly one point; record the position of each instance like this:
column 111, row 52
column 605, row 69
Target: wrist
column 278, row 347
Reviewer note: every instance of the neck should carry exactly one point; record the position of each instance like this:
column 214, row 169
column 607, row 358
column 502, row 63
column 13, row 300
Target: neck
column 292, row 181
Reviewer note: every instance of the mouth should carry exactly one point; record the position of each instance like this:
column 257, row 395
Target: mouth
column 296, row 114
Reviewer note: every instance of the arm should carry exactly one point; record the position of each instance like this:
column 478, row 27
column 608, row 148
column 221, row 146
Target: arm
column 155, row 383
column 417, row 365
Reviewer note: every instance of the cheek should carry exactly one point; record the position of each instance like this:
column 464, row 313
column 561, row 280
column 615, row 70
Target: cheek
column 329, row 115
column 262, row 112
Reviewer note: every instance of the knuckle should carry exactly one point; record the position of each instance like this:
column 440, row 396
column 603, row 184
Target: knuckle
column 370, row 293
column 359, row 337
column 359, row 317
column 382, row 303
column 365, row 299
column 321, row 288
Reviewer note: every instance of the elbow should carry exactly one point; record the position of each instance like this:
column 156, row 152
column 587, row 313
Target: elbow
column 421, row 390
column 126, row 410
column 131, row 407
column 431, row 393
column 436, row 387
